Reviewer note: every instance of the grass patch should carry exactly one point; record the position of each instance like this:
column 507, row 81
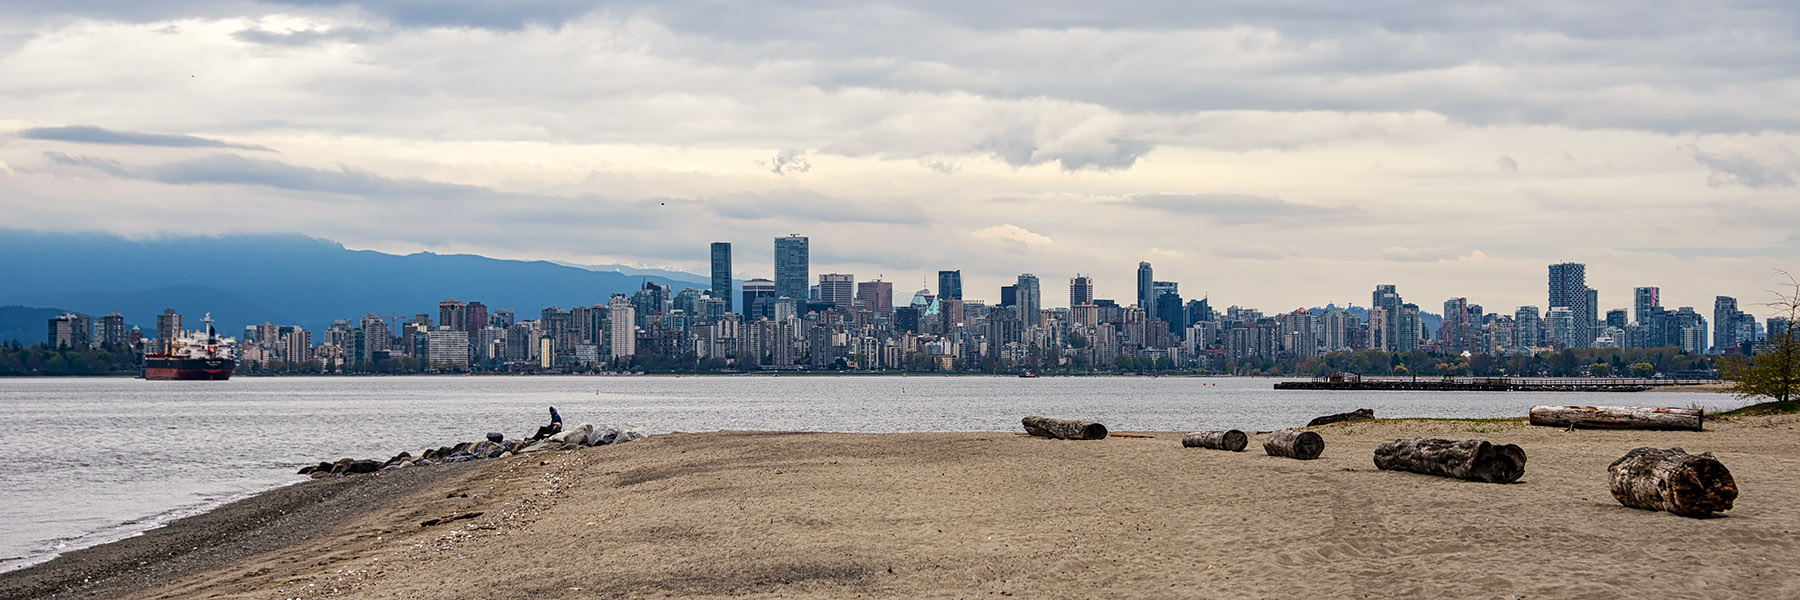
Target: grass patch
column 1766, row 408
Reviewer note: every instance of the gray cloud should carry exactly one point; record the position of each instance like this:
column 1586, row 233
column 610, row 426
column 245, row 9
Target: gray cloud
column 304, row 38
column 1734, row 168
column 807, row 206
column 231, row 169
column 87, row 134
column 788, row 162
column 1235, row 209
column 104, row 165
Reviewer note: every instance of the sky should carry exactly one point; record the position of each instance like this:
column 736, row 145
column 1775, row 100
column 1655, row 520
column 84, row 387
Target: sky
column 1275, row 154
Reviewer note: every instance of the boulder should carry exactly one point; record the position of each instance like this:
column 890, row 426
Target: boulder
column 341, row 465
column 608, row 434
column 574, row 435
column 307, row 470
column 1361, row 414
column 495, row 436
column 362, row 466
column 397, row 465
column 422, row 463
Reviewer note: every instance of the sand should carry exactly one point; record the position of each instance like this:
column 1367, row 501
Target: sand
column 1001, row 514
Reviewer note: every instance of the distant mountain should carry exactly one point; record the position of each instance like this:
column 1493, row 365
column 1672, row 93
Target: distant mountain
column 26, row 325
column 282, row 279
column 693, row 279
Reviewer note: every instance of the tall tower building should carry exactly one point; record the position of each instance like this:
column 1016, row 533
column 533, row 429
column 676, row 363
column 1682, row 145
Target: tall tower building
column 623, row 336
column 759, row 298
column 876, row 296
column 453, row 314
column 1030, row 298
column 1725, row 310
column 168, row 327
column 475, row 316
column 1166, row 304
column 1081, row 291
column 1387, row 298
column 838, row 289
column 793, row 269
column 1645, row 300
column 950, row 285
column 1568, row 288
column 721, row 273
column 1145, row 290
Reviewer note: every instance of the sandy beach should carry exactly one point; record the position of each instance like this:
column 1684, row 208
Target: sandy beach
column 980, row 515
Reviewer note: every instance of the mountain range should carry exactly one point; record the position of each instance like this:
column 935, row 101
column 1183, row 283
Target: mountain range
column 276, row 278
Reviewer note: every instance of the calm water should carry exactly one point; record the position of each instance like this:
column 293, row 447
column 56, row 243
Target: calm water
column 104, row 458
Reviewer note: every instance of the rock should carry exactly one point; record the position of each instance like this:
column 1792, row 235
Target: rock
column 341, row 465
column 401, row 457
column 422, row 463
column 323, row 466
column 574, row 435
column 362, row 466
column 495, row 437
column 308, row 469
column 1361, row 414
column 483, row 449
column 318, row 474
column 607, row 434
column 397, row 465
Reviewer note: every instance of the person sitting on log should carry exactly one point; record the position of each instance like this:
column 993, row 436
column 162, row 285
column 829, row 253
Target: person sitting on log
column 553, row 428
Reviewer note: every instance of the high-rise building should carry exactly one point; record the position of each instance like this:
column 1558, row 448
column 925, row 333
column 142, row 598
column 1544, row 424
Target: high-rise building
column 447, row 347
column 837, row 288
column 375, row 336
column 792, row 267
column 1081, row 291
column 453, row 314
column 1387, row 298
column 70, row 330
column 1165, row 304
column 1030, row 298
column 1617, row 318
column 475, row 317
column 168, row 327
column 721, row 273
column 1528, row 327
column 624, row 329
column 759, row 296
column 876, row 296
column 950, row 285
column 1644, row 301
column 1568, row 288
column 110, row 330
column 1560, row 324
column 1725, row 311
column 1408, row 328
column 503, row 318
column 1145, row 281
column 1009, row 295
column 1454, row 331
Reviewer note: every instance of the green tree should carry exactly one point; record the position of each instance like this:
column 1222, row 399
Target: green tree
column 1773, row 368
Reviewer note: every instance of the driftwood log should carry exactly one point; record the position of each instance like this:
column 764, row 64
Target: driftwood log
column 1361, row 414
column 1617, row 417
column 1064, row 429
column 1690, row 485
column 1294, row 443
column 1474, row 460
column 1230, row 439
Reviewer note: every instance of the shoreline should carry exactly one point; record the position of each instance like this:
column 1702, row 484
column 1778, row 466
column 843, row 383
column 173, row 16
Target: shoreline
column 893, row 515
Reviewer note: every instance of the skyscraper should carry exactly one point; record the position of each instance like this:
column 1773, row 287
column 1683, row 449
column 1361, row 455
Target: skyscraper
column 623, row 336
column 837, row 288
column 476, row 317
column 793, row 270
column 1725, row 310
column 1145, row 281
column 1081, row 291
column 1645, row 300
column 1568, row 288
column 721, row 273
column 1387, row 298
column 1030, row 298
column 1165, row 304
column 759, row 294
column 168, row 327
column 876, row 296
column 453, row 314
column 950, row 285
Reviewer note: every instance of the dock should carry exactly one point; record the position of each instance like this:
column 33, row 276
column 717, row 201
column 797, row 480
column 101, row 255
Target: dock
column 1484, row 384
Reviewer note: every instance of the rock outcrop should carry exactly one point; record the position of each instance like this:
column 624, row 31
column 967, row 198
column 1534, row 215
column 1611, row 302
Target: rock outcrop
column 494, row 446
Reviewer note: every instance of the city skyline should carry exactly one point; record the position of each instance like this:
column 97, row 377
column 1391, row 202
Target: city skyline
column 1292, row 152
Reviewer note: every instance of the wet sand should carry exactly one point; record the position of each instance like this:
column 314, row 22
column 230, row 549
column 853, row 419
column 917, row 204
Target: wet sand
column 981, row 514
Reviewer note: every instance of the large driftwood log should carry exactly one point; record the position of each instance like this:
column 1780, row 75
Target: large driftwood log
column 1474, row 460
column 1360, row 414
column 1230, row 439
column 1690, row 485
column 1294, row 443
column 1617, row 417
column 1064, row 429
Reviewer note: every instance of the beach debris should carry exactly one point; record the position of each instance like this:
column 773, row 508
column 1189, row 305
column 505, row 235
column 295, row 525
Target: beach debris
column 1690, row 485
column 449, row 518
column 1063, row 429
column 1474, row 460
column 1617, row 417
column 1361, row 414
column 1230, row 439
column 1294, row 443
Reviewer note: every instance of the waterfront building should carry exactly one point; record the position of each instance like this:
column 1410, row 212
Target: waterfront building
column 721, row 273
column 624, row 326
column 109, row 330
column 1568, row 288
column 70, row 330
column 447, row 347
column 376, row 339
column 168, row 327
column 792, row 267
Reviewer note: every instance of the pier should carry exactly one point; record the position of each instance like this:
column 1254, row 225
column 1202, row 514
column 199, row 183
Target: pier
column 1340, row 381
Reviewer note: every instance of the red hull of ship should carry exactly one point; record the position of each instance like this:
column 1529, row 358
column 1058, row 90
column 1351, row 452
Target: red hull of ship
column 188, row 369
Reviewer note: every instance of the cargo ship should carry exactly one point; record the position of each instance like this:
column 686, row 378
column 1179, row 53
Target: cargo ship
column 193, row 356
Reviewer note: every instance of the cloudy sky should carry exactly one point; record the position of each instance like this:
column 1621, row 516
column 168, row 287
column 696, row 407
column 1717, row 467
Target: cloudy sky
column 1276, row 155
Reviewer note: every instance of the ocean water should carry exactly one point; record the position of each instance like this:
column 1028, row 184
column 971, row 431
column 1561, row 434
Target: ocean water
column 99, row 459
